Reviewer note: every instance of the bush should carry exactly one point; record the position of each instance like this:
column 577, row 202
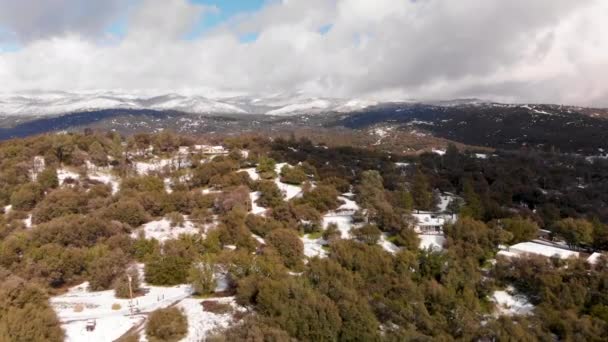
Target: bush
column 25, row 314
column 293, row 175
column 48, row 179
column 369, row 234
column 26, row 197
column 104, row 269
column 176, row 219
column 288, row 244
column 121, row 284
column 166, row 325
column 202, row 277
column 167, row 270
column 270, row 195
column 216, row 307
column 522, row 229
column 266, row 168
column 116, row 306
column 60, row 202
column 127, row 211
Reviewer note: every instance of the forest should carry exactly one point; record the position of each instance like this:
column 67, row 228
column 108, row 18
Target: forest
column 75, row 207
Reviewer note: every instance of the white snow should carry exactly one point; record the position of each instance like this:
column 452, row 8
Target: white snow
column 7, row 209
column 167, row 182
column 314, row 247
column 38, row 166
column 111, row 324
column 439, row 152
column 434, row 242
column 355, row 104
column 401, row 165
column 106, row 177
column 63, row 174
column 106, row 328
column 444, row 201
column 158, row 164
column 344, row 223
column 162, row 231
column 259, row 239
column 508, row 304
column 201, row 322
column 348, row 206
column 253, row 174
column 594, row 258
column 387, row 245
column 255, row 208
column 314, row 105
column 28, row 221
column 289, row 191
column 481, row 156
column 537, row 249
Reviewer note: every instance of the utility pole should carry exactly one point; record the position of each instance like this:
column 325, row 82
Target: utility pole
column 130, row 295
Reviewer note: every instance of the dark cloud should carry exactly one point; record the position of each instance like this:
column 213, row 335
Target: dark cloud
column 28, row 20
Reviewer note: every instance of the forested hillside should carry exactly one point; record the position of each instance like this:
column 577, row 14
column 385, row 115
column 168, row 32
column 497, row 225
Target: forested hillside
column 258, row 239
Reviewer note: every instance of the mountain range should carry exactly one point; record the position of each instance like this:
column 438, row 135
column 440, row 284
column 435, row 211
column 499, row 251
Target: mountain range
column 54, row 103
column 407, row 125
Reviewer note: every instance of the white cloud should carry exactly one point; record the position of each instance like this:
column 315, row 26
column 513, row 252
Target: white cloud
column 517, row 50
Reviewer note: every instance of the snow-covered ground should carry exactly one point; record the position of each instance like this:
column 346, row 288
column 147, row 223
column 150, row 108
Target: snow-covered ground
column 63, row 174
column 387, row 245
column 348, row 205
column 444, row 201
column 314, row 247
column 28, row 221
column 439, row 152
column 111, row 324
column 594, row 258
column 255, row 208
column 7, row 209
column 201, row 322
column 509, row 304
column 435, row 242
column 106, row 329
column 38, row 166
column 157, row 164
column 253, row 174
column 524, row 248
column 106, row 177
column 162, row 231
column 289, row 191
column 344, row 223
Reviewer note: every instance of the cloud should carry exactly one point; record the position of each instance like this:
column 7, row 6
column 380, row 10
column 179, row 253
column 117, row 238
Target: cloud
column 29, row 20
column 518, row 50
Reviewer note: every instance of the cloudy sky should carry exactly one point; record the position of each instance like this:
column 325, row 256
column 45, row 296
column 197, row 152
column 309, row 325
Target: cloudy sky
column 549, row 51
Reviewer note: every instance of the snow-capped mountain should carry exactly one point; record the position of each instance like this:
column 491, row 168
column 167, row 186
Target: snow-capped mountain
column 56, row 103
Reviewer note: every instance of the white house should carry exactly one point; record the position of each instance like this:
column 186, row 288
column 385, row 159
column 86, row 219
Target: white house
column 211, row 150
column 430, row 222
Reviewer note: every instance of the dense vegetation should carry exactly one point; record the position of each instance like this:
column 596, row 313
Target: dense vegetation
column 83, row 230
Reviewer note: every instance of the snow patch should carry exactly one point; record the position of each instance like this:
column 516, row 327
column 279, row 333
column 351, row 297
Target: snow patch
column 201, row 322
column 433, row 242
column 509, row 305
column 162, row 231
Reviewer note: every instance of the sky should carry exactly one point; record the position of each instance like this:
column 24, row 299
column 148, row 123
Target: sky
column 541, row 51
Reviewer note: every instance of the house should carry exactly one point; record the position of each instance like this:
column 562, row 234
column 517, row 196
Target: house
column 211, row 150
column 431, row 222
column 538, row 248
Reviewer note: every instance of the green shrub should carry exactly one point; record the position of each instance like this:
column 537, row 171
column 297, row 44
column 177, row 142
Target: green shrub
column 166, row 325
